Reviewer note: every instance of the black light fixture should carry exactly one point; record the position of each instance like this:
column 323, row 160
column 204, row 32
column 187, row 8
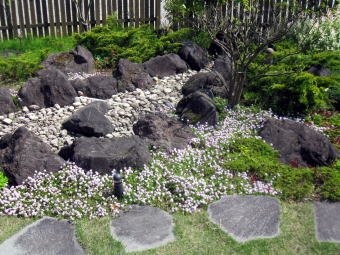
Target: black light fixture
column 118, row 186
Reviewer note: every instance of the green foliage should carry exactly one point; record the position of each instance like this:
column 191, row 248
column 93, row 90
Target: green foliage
column 287, row 88
column 20, row 67
column 3, row 180
column 322, row 35
column 33, row 52
column 260, row 160
column 328, row 182
column 16, row 102
column 109, row 44
column 331, row 120
column 221, row 104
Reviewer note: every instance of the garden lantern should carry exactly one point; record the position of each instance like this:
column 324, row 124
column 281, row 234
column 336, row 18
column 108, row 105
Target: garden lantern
column 117, row 186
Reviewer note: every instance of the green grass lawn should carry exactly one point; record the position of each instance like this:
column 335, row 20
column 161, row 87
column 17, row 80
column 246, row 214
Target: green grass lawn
column 195, row 234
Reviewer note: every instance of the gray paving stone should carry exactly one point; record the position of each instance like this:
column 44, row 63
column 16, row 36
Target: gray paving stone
column 247, row 217
column 143, row 228
column 327, row 221
column 47, row 236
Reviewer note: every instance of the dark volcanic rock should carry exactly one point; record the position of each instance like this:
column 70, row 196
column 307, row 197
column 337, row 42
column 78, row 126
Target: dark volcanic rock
column 211, row 84
column 222, row 65
column 74, row 61
column 23, row 153
column 99, row 86
column 197, row 108
column 6, row 102
column 165, row 65
column 194, row 55
column 297, row 143
column 161, row 131
column 319, row 70
column 104, row 155
column 90, row 121
column 50, row 88
column 131, row 76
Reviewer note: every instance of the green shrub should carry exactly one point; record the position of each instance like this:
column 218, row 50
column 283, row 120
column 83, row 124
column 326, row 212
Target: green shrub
column 321, row 36
column 3, row 180
column 110, row 43
column 34, row 51
column 287, row 88
column 331, row 120
column 135, row 44
column 261, row 161
column 328, row 182
column 18, row 67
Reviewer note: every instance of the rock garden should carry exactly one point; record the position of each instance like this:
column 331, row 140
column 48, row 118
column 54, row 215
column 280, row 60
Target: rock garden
column 153, row 113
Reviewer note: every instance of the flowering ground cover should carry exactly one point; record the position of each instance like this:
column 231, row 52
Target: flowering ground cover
column 229, row 159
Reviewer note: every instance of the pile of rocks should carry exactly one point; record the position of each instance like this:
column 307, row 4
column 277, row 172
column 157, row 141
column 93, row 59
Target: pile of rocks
column 113, row 124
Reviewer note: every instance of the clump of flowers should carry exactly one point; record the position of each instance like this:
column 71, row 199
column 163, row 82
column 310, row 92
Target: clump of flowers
column 183, row 180
column 71, row 193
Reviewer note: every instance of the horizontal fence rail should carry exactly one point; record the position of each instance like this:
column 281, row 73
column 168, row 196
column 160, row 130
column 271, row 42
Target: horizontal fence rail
column 22, row 18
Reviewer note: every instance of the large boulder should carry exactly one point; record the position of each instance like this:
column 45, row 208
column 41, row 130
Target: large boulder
column 131, row 76
column 197, row 108
column 6, row 103
column 162, row 131
column 98, row 86
column 319, row 70
column 23, row 153
column 211, row 83
column 222, row 65
column 104, row 155
column 194, row 55
column 165, row 65
column 90, row 121
column 49, row 88
column 74, row 61
column 298, row 144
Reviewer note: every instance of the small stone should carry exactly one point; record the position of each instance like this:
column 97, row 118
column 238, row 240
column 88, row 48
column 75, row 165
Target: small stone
column 11, row 115
column 57, row 106
column 71, row 108
column 167, row 90
column 7, row 121
column 76, row 104
column 34, row 107
column 32, row 117
column 80, row 93
column 63, row 132
column 109, row 136
column 25, row 109
column 77, row 99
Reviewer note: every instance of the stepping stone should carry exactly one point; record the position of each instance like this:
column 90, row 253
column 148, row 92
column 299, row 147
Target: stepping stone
column 247, row 217
column 327, row 221
column 47, row 236
column 143, row 228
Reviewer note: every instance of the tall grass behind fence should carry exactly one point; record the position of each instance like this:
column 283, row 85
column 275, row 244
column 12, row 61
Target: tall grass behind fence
column 59, row 17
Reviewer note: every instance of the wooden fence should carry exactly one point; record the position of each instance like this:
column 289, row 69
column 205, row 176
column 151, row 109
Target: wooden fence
column 59, row 17
column 233, row 8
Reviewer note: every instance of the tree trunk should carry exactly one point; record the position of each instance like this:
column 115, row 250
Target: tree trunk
column 236, row 89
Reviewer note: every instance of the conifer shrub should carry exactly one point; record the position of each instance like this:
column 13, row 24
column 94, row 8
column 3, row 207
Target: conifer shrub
column 259, row 160
column 3, row 180
column 280, row 81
